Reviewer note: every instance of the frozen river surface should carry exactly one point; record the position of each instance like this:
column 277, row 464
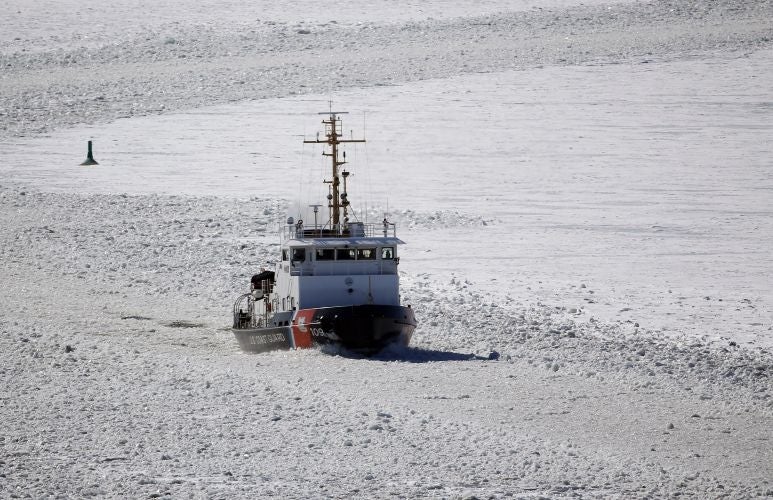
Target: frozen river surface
column 585, row 190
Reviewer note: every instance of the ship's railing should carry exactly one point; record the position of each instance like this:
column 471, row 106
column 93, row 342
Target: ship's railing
column 353, row 230
column 243, row 317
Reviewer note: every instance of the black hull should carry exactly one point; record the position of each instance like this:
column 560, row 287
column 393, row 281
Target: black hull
column 364, row 328
column 264, row 339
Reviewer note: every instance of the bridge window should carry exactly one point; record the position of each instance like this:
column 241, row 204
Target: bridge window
column 387, row 253
column 284, row 254
column 366, row 253
column 299, row 254
column 325, row 254
column 345, row 254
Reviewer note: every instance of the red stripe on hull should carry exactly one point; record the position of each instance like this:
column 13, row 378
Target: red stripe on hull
column 302, row 328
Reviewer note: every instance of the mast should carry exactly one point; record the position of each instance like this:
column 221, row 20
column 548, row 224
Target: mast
column 338, row 201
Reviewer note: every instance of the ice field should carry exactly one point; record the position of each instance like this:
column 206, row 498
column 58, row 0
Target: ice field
column 585, row 194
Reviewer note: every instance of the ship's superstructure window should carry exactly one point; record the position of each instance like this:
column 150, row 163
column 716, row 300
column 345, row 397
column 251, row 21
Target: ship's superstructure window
column 348, row 254
column 345, row 254
column 299, row 254
column 366, row 253
column 284, row 254
column 325, row 254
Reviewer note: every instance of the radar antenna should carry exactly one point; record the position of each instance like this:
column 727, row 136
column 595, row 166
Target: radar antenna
column 316, row 209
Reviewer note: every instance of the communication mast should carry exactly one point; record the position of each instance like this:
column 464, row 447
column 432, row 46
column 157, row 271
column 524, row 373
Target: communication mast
column 338, row 201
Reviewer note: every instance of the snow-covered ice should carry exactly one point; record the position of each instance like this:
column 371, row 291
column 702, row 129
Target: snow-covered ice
column 585, row 190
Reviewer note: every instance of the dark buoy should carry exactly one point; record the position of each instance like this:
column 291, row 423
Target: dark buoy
column 90, row 158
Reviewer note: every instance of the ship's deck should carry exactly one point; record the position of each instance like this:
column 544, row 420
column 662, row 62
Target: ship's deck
column 357, row 233
column 343, row 242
